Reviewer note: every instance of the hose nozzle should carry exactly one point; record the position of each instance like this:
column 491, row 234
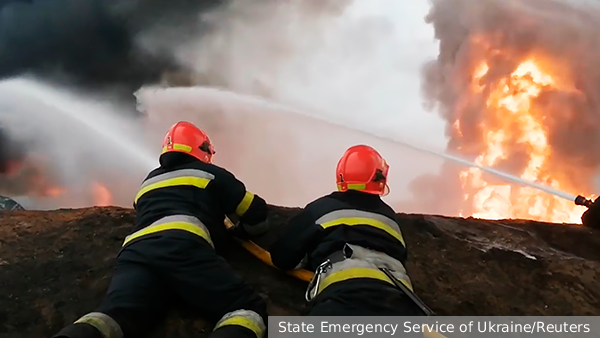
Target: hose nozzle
column 580, row 200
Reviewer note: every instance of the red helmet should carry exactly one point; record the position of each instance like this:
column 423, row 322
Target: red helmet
column 362, row 168
column 185, row 137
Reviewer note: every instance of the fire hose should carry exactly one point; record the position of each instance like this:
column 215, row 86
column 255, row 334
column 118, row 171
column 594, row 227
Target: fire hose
column 301, row 274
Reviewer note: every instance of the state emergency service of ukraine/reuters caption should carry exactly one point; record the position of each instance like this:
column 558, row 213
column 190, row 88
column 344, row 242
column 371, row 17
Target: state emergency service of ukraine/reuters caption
column 402, row 327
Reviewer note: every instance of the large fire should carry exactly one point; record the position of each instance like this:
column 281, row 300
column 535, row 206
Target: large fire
column 102, row 195
column 512, row 119
column 518, row 85
column 29, row 178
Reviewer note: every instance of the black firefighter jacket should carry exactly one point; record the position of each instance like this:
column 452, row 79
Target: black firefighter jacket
column 183, row 185
column 328, row 223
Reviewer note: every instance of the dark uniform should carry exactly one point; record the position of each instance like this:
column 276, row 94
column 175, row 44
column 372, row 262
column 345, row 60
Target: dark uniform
column 170, row 255
column 358, row 233
column 591, row 217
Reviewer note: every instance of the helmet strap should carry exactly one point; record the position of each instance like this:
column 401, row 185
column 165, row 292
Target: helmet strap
column 205, row 147
column 379, row 176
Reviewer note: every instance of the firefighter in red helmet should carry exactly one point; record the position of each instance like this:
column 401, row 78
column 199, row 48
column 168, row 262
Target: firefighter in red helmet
column 351, row 240
column 172, row 252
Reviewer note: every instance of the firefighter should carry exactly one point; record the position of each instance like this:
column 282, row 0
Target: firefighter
column 170, row 254
column 591, row 217
column 352, row 242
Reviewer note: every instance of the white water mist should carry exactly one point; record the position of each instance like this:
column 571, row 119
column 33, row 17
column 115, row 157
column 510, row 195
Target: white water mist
column 78, row 139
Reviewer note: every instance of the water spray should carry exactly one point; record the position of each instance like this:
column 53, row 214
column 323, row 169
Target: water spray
column 88, row 115
column 550, row 190
column 516, row 179
column 578, row 200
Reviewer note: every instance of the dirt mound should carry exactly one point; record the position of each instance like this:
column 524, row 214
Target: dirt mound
column 56, row 265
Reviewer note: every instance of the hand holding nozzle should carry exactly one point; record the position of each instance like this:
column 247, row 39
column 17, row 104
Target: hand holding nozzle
column 580, row 200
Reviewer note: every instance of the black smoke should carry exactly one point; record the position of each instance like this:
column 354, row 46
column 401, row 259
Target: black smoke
column 88, row 44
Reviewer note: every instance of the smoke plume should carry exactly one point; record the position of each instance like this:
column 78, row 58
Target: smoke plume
column 87, row 42
column 544, row 55
column 90, row 45
column 75, row 143
column 353, row 63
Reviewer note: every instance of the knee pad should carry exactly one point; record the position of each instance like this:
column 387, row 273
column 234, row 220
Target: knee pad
column 107, row 326
column 244, row 318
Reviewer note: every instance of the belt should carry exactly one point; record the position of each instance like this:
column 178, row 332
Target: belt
column 336, row 256
column 316, row 285
column 175, row 222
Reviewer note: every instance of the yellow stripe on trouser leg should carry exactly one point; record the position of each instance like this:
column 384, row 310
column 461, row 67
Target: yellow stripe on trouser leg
column 107, row 326
column 244, row 204
column 244, row 318
column 353, row 273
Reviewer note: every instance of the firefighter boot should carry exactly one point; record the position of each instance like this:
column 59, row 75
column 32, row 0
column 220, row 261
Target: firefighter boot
column 240, row 324
column 92, row 325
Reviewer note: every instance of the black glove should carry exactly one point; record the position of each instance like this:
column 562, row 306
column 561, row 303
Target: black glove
column 245, row 231
column 239, row 231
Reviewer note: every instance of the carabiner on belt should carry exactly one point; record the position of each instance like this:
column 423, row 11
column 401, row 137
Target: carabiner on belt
column 316, row 280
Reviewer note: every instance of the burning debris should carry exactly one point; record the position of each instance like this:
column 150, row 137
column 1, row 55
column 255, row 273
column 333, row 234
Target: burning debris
column 9, row 204
column 517, row 84
column 32, row 178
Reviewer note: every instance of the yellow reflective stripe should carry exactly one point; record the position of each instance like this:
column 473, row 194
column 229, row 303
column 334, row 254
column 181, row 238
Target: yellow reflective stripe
column 98, row 324
column 180, row 147
column 152, row 229
column 364, row 221
column 185, row 180
column 353, row 186
column 244, row 204
column 352, row 273
column 107, row 326
column 244, row 322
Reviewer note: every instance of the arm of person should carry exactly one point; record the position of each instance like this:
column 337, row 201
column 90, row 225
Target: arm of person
column 298, row 239
column 250, row 209
column 591, row 217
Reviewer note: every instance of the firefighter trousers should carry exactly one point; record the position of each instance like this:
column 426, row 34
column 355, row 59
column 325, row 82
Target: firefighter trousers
column 352, row 284
column 154, row 273
column 363, row 297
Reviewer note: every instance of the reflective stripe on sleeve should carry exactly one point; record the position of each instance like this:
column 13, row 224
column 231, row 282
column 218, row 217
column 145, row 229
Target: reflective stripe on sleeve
column 244, row 204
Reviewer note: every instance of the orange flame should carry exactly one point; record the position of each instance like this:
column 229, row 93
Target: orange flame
column 512, row 121
column 102, row 195
column 53, row 192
